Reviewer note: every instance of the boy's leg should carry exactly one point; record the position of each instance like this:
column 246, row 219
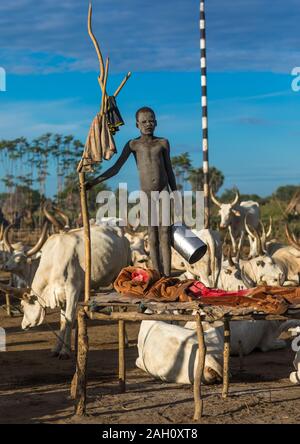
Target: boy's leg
column 154, row 249
column 165, row 245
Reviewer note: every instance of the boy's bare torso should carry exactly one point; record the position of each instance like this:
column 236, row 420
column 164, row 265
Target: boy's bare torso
column 150, row 158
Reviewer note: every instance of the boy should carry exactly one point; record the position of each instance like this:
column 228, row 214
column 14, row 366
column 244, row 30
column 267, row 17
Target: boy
column 152, row 155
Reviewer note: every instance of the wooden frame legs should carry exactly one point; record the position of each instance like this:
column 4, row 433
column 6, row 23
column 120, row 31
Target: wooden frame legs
column 200, row 370
column 226, row 356
column 122, row 364
column 78, row 387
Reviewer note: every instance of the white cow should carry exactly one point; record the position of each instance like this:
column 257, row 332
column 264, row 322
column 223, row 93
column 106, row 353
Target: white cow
column 233, row 217
column 137, row 247
column 59, row 280
column 287, row 257
column 262, row 268
column 170, row 352
column 22, row 260
column 206, row 269
column 295, row 376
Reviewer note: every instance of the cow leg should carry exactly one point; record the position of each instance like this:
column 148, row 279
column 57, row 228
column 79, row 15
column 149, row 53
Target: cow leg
column 69, row 319
column 57, row 349
column 66, row 324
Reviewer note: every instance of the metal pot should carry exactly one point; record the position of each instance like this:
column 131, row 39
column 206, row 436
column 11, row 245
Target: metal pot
column 187, row 244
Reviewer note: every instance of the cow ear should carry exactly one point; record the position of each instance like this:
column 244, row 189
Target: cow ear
column 236, row 213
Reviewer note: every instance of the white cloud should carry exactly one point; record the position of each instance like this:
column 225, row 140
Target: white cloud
column 51, row 35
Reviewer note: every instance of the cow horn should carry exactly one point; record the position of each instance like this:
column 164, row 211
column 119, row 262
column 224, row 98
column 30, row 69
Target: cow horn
column 1, row 232
column 269, row 232
column 51, row 218
column 236, row 199
column 214, row 199
column 247, row 280
column 230, row 260
column 247, row 228
column 291, row 237
column 40, row 242
column 6, row 240
column 281, row 279
column 263, row 236
column 18, row 292
column 63, row 216
column 254, row 236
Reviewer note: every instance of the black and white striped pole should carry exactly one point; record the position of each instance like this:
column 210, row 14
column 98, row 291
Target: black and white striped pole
column 204, row 116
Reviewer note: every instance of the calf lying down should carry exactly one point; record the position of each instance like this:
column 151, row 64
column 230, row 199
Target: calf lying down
column 170, row 352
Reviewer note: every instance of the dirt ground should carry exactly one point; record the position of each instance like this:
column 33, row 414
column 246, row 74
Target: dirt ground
column 34, row 387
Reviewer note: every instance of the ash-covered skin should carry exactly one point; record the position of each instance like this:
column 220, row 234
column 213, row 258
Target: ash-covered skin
column 152, row 155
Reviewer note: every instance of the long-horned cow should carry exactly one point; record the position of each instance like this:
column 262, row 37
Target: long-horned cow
column 233, row 217
column 287, row 257
column 59, row 279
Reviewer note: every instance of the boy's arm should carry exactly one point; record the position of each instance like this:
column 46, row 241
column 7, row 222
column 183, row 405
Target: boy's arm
column 168, row 165
column 112, row 171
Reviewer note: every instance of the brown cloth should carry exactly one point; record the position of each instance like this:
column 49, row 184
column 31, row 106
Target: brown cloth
column 265, row 303
column 289, row 294
column 125, row 284
column 99, row 144
column 170, row 290
column 270, row 300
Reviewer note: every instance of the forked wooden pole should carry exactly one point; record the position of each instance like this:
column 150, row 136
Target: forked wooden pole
column 200, row 370
column 226, row 357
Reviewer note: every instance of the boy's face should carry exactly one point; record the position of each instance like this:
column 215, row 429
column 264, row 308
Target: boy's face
column 146, row 123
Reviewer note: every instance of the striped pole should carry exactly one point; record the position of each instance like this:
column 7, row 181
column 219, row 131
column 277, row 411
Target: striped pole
column 204, row 117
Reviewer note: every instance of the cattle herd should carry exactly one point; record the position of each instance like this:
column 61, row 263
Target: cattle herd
column 51, row 274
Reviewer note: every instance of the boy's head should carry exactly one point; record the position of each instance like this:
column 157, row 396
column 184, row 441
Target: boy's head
column 145, row 120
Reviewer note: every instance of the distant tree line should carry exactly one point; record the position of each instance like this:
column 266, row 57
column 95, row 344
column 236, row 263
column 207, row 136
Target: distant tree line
column 27, row 165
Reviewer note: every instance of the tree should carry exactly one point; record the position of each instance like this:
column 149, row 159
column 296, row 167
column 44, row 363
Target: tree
column 196, row 179
column 286, row 192
column 181, row 165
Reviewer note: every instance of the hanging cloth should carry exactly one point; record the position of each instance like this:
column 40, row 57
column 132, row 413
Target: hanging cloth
column 113, row 114
column 99, row 143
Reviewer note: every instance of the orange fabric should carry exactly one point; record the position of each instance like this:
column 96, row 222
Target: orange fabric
column 125, row 284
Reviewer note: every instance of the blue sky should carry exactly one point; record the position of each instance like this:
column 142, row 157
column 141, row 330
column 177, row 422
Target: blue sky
column 252, row 48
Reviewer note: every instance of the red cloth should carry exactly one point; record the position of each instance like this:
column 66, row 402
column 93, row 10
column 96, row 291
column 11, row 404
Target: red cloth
column 199, row 290
column 140, row 275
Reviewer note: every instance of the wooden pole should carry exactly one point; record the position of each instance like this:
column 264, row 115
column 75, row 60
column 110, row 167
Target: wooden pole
column 87, row 237
column 226, row 355
column 200, row 369
column 79, row 388
column 204, row 116
column 133, row 317
column 122, row 364
column 8, row 307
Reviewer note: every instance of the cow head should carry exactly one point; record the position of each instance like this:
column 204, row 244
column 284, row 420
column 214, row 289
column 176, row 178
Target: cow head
column 262, row 268
column 34, row 312
column 231, row 275
column 226, row 211
column 19, row 257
